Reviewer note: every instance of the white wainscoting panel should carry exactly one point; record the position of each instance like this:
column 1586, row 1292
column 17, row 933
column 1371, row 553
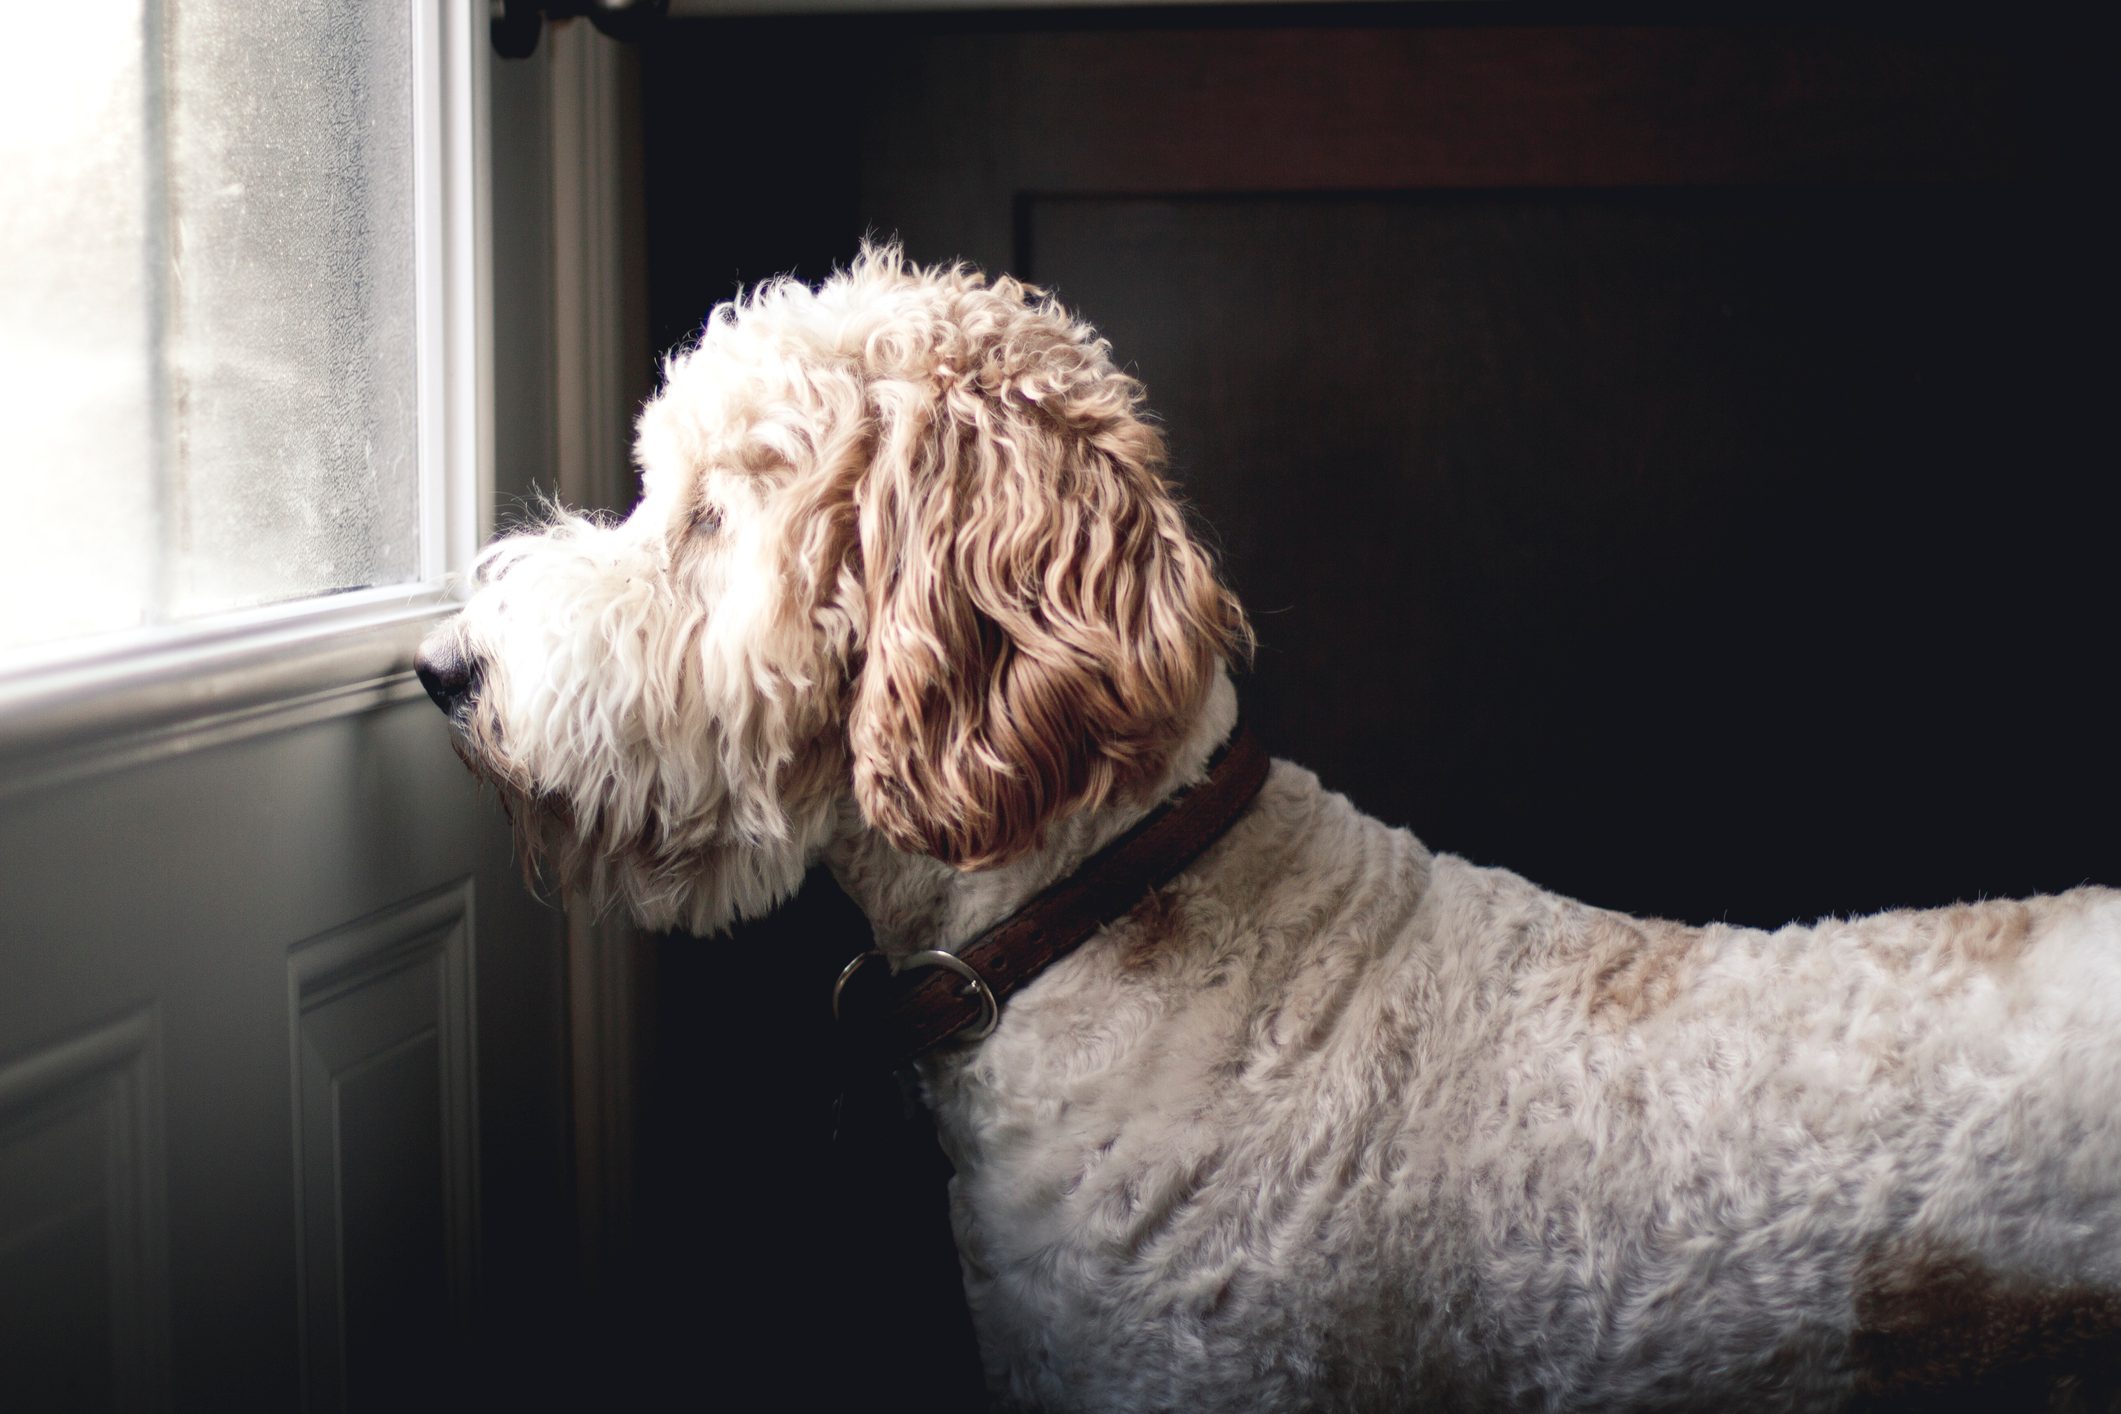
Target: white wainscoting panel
column 386, row 1149
column 84, row 1299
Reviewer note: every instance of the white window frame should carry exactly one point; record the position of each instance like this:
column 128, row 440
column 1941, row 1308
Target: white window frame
column 117, row 699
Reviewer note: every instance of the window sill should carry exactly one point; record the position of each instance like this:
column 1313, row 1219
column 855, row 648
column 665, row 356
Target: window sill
column 126, row 700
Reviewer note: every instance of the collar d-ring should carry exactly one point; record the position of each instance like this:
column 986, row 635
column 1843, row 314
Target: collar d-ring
column 854, row 965
column 975, row 986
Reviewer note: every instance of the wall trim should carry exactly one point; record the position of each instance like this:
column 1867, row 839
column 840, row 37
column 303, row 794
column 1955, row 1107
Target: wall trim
column 114, row 1067
column 600, row 346
column 127, row 707
column 599, row 303
column 343, row 974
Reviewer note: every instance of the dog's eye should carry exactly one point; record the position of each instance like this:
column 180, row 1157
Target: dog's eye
column 706, row 520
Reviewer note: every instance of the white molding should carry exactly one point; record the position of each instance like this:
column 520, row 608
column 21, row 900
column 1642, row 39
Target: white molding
column 450, row 203
column 344, row 977
column 430, row 264
column 591, row 88
column 588, row 89
column 482, row 492
column 604, row 989
column 157, row 694
column 115, row 1067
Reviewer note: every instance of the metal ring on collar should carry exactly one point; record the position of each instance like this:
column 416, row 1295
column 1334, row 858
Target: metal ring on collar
column 975, row 985
column 854, row 965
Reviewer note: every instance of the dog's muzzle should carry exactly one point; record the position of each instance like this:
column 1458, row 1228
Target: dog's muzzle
column 449, row 676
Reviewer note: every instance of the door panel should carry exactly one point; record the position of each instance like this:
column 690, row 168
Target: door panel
column 283, row 1037
column 266, row 953
column 82, row 1292
column 386, row 1141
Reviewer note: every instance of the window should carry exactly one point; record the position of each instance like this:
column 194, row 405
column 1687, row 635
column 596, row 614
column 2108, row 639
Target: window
column 223, row 357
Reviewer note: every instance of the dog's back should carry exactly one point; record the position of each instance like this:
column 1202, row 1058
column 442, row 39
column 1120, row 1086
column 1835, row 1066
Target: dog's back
column 1330, row 1095
column 1330, row 1122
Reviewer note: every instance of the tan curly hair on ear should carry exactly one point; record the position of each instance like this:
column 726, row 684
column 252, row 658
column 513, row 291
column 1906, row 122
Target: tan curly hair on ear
column 1041, row 624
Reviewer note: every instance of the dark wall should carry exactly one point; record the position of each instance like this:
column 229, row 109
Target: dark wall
column 1655, row 544
column 1668, row 460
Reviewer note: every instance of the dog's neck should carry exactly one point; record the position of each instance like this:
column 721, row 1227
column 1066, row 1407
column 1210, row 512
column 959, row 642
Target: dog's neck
column 914, row 902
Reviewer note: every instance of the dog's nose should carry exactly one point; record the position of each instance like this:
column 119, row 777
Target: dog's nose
column 448, row 675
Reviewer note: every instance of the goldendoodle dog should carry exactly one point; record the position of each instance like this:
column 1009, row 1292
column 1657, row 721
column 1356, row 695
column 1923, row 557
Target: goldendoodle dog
column 1325, row 1120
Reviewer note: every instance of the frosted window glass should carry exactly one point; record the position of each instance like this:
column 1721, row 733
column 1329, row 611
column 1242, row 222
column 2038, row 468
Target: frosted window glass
column 77, row 406
column 207, row 309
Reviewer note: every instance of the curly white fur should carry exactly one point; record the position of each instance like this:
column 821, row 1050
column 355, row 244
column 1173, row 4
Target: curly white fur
column 1330, row 1122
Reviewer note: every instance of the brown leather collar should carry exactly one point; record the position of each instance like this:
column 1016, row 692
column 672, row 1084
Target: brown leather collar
column 890, row 1018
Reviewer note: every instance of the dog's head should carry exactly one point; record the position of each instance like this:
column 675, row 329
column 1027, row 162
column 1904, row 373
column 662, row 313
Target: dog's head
column 902, row 542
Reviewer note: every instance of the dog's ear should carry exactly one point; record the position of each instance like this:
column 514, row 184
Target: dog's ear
column 1041, row 624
